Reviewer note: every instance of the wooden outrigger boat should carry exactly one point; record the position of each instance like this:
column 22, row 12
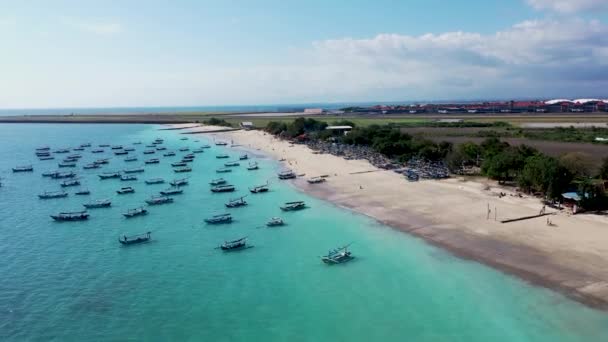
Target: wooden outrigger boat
column 275, row 222
column 217, row 219
column 198, row 150
column 178, row 164
column 149, row 151
column 71, row 216
column 91, row 166
column 128, row 149
column 152, row 161
column 222, row 156
column 186, row 160
column 108, row 175
column 104, row 145
column 85, row 145
column 223, row 188
column 98, row 150
column 125, row 190
column 134, row 170
column 184, row 149
column 126, row 178
column 157, row 200
column 182, row 169
column 237, row 202
column 161, row 148
column 338, row 256
column 316, row 180
column 137, row 143
column 243, row 157
column 121, row 153
column 62, row 150
column 78, row 149
column 134, row 239
column 117, row 147
column 218, row 181
column 155, row 181
column 103, row 203
column 234, row 245
column 231, row 164
column 253, row 166
column 288, row 174
column 205, row 146
column 82, row 192
column 52, row 194
column 172, row 191
column 135, row 212
column 102, row 161
column 23, row 168
column 179, row 182
column 46, row 158
column 131, row 159
column 183, row 138
column 43, row 148
column 292, row 206
column 49, row 173
column 169, row 154
column 62, row 175
column 223, row 170
column 259, row 189
column 70, row 182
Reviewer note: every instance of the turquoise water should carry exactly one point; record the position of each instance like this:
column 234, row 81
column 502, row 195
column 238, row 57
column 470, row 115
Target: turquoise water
column 72, row 281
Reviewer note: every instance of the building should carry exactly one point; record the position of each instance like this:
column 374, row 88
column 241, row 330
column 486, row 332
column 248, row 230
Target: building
column 339, row 129
column 247, row 125
column 312, row 111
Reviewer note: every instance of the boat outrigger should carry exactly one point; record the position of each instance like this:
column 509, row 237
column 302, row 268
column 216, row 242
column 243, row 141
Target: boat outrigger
column 52, row 194
column 125, row 190
column 234, row 245
column 134, row 239
column 135, row 212
column 71, row 216
column 218, row 181
column 155, row 181
column 338, row 256
column 237, row 202
column 217, row 219
column 275, row 222
column 292, row 206
column 156, row 200
column 23, row 168
column 103, row 203
column 223, row 188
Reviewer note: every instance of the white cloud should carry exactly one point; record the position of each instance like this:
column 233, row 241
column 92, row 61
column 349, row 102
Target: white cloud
column 569, row 6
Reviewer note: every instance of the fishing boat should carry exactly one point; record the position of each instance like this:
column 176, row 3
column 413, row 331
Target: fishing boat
column 149, row 152
column 198, row 150
column 102, row 161
column 338, row 256
column 74, row 156
column 121, row 153
column 134, row 170
column 155, row 181
column 243, row 157
column 49, row 173
column 161, row 148
column 182, row 169
column 128, row 149
column 43, row 154
column 316, row 180
column 69, row 160
column 179, row 182
column 183, row 138
column 135, row 212
column 62, row 150
column 126, row 178
column 85, row 145
column 70, row 182
column 237, row 202
column 137, row 143
column 223, row 170
column 125, row 190
column 117, row 147
column 158, row 141
column 292, row 206
column 231, row 164
column 91, row 166
column 43, row 148
column 134, row 239
column 252, row 166
column 222, row 156
column 152, row 161
column 221, row 218
column 78, row 149
column 218, row 181
column 97, row 151
column 169, row 154
column 275, row 222
column 223, row 188
column 82, row 192
column 52, row 194
column 205, row 146
column 234, row 245
column 221, row 143
column 184, row 149
column 288, row 174
column 46, row 158
column 186, row 160
column 259, row 189
column 157, row 200
column 61, row 175
column 108, row 175
column 102, row 203
column 104, row 145
column 172, row 191
column 176, row 164
column 189, row 156
column 152, row 145
column 71, row 216
column 23, row 168
column 131, row 159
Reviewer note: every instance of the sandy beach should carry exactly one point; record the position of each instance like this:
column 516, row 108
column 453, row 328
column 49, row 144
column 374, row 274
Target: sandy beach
column 570, row 256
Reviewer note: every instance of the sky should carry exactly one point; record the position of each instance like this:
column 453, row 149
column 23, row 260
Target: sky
column 236, row 52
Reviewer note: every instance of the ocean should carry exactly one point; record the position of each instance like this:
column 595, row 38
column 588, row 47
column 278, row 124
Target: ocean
column 73, row 281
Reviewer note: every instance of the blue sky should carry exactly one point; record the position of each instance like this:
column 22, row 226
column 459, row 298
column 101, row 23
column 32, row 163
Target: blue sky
column 168, row 53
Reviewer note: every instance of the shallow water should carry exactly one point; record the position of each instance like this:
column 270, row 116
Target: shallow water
column 72, row 281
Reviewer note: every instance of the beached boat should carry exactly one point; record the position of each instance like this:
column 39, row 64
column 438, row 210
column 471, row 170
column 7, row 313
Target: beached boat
column 152, row 161
column 102, row 203
column 259, row 189
column 155, row 181
column 23, row 168
column 169, row 154
column 221, row 218
column 125, row 190
column 135, row 212
column 102, row 161
column 179, row 182
column 149, row 152
column 292, row 206
column 71, row 216
column 237, row 202
column 131, row 159
column 97, row 151
column 182, row 169
column 243, row 157
column 135, row 239
column 234, row 245
column 61, row 175
column 275, row 222
column 223, row 188
column 157, row 200
column 253, row 166
column 91, row 166
column 221, row 143
column 134, row 170
column 70, row 182
column 222, row 156
column 108, row 175
column 288, row 174
column 231, row 164
column 176, row 164
column 52, row 194
column 223, row 170
column 82, row 192
column 338, row 256
column 126, row 178
column 218, row 181
column 172, row 191
column 46, row 158
column 316, row 180
column 121, row 153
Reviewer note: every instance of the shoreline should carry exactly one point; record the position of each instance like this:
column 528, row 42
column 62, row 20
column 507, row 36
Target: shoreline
column 572, row 264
